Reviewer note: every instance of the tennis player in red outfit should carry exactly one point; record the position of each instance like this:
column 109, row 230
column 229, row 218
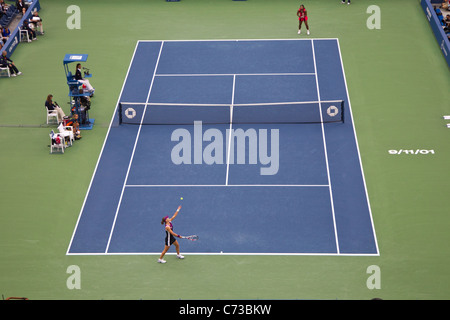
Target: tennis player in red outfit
column 302, row 17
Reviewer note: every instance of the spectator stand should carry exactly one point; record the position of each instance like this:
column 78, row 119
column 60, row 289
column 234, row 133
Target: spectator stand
column 75, row 86
column 14, row 38
column 11, row 13
column 437, row 27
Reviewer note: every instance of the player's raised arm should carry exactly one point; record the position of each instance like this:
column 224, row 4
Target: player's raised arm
column 176, row 213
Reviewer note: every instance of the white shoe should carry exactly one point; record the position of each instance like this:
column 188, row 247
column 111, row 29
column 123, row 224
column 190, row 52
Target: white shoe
column 179, row 256
column 307, row 32
column 161, row 261
column 19, row 73
column 13, row 75
column 299, row 32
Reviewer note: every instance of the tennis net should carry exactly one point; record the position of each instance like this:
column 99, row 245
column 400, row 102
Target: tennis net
column 184, row 114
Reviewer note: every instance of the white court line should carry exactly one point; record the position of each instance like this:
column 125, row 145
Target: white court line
column 134, row 149
column 237, row 40
column 233, row 74
column 223, row 185
column 158, row 253
column 325, row 149
column 231, row 126
column 357, row 148
column 227, row 254
column 103, row 147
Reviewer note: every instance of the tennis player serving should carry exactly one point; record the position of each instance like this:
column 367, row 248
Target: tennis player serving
column 170, row 237
column 302, row 17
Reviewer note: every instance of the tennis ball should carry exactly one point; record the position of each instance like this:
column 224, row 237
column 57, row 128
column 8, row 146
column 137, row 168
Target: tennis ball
column 181, row 198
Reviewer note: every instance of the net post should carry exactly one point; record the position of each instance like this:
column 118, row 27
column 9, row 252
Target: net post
column 120, row 113
column 342, row 111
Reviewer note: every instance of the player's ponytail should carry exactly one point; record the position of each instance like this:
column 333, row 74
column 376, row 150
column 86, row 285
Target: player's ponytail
column 164, row 219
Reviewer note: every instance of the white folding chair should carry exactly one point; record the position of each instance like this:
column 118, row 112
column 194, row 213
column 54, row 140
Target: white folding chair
column 51, row 114
column 23, row 35
column 66, row 132
column 58, row 146
column 5, row 70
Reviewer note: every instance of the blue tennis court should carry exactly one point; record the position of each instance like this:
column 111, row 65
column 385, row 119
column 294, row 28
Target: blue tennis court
column 245, row 132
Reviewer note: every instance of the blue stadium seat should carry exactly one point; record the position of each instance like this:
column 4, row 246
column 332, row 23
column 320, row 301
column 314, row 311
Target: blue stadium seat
column 4, row 21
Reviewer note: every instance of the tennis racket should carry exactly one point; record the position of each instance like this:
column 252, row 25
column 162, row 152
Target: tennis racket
column 192, row 238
